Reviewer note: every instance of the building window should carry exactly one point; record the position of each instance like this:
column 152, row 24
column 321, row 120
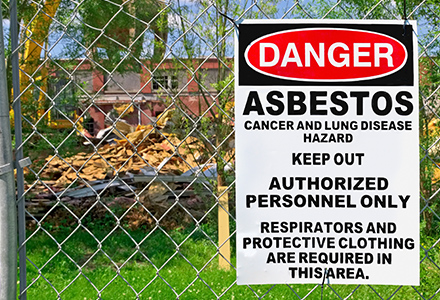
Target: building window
column 64, row 99
column 165, row 82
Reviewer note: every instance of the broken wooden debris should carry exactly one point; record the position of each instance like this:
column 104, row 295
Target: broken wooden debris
column 165, row 178
column 94, row 190
column 144, row 147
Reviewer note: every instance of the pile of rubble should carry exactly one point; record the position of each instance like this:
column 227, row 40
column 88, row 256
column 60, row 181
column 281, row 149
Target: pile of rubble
column 131, row 168
column 143, row 148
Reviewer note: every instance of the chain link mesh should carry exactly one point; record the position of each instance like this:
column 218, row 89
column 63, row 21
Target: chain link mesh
column 127, row 114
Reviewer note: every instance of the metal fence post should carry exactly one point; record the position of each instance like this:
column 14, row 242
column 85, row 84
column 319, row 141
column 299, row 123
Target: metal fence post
column 21, row 218
column 8, row 223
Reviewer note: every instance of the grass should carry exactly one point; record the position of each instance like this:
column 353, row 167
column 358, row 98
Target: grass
column 112, row 268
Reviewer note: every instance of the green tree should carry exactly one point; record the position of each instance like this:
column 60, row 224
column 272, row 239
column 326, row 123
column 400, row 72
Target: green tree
column 115, row 36
column 117, row 32
column 212, row 36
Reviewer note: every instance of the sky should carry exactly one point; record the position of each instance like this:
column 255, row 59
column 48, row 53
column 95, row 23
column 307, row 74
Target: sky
column 5, row 25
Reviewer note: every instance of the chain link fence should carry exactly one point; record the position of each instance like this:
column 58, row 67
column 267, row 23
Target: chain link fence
column 126, row 111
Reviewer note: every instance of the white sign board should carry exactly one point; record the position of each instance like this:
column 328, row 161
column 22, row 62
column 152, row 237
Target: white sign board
column 327, row 152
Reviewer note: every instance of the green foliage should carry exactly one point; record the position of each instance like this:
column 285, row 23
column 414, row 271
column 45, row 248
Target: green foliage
column 60, row 101
column 429, row 147
column 188, row 264
column 212, row 122
column 5, row 9
column 372, row 9
column 117, row 31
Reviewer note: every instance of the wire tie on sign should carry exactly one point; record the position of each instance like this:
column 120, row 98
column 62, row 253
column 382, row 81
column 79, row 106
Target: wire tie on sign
column 323, row 280
column 229, row 18
column 405, row 18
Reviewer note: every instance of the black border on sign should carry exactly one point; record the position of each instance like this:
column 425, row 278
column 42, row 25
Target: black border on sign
column 250, row 32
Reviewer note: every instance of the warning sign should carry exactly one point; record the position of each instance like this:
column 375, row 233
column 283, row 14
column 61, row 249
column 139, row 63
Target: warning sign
column 327, row 152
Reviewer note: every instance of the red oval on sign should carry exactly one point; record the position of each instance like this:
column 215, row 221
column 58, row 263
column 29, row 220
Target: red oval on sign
column 326, row 54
